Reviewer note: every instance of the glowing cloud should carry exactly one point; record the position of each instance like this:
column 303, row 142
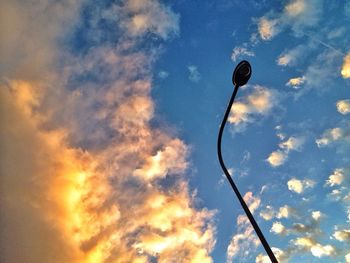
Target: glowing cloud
column 345, row 71
column 336, row 178
column 267, row 28
column 342, row 235
column 296, row 82
column 259, row 102
column 298, row 186
column 315, row 248
column 278, row 228
column 343, row 106
column 93, row 185
column 277, row 158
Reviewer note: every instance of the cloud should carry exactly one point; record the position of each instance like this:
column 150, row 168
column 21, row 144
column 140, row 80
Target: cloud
column 342, row 235
column 295, row 8
column 296, row 82
column 347, row 256
column 280, row 255
column 279, row 157
column 150, row 16
column 345, row 71
column 163, row 74
column 268, row 28
column 293, row 143
column 194, row 73
column 259, row 102
column 317, row 215
column 332, row 135
column 347, row 9
column 343, row 106
column 278, row 228
column 316, row 249
column 297, row 15
column 283, row 212
column 290, row 57
column 245, row 240
column 76, row 157
column 268, row 213
column 298, row 186
column 336, row 178
column 239, row 52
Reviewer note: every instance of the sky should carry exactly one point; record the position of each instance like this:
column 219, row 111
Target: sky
column 110, row 112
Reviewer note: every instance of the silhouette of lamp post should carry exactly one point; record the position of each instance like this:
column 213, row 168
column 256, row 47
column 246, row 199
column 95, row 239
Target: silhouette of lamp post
column 240, row 77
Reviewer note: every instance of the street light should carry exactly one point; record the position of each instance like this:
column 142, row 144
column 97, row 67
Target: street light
column 240, row 77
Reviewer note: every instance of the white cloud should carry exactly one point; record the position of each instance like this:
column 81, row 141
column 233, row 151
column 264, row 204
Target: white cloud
column 345, row 71
column 296, row 82
column 259, row 102
column 278, row 228
column 315, row 248
column 347, row 256
column 336, row 178
column 343, row 106
column 239, row 52
column 298, row 186
column 194, row 73
column 317, row 215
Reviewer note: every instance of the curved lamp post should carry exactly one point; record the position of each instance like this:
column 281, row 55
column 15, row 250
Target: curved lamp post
column 240, row 77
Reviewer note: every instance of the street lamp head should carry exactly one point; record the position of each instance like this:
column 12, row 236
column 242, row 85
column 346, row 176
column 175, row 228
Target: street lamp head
column 242, row 73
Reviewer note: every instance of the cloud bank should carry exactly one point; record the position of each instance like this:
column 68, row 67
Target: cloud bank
column 85, row 176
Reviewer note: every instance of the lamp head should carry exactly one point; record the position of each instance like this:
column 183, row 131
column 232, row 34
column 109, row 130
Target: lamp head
column 242, row 73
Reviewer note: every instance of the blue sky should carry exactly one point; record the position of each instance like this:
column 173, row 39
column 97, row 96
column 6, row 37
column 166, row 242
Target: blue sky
column 111, row 115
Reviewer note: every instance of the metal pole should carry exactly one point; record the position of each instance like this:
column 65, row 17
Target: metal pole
column 234, row 187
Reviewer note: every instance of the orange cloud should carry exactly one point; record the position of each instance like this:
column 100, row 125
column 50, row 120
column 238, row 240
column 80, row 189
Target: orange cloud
column 67, row 201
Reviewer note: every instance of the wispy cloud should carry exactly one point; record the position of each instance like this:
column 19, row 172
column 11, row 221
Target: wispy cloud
column 290, row 57
column 333, row 135
column 245, row 240
column 259, row 102
column 239, row 52
column 194, row 75
column 297, row 14
column 163, row 74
